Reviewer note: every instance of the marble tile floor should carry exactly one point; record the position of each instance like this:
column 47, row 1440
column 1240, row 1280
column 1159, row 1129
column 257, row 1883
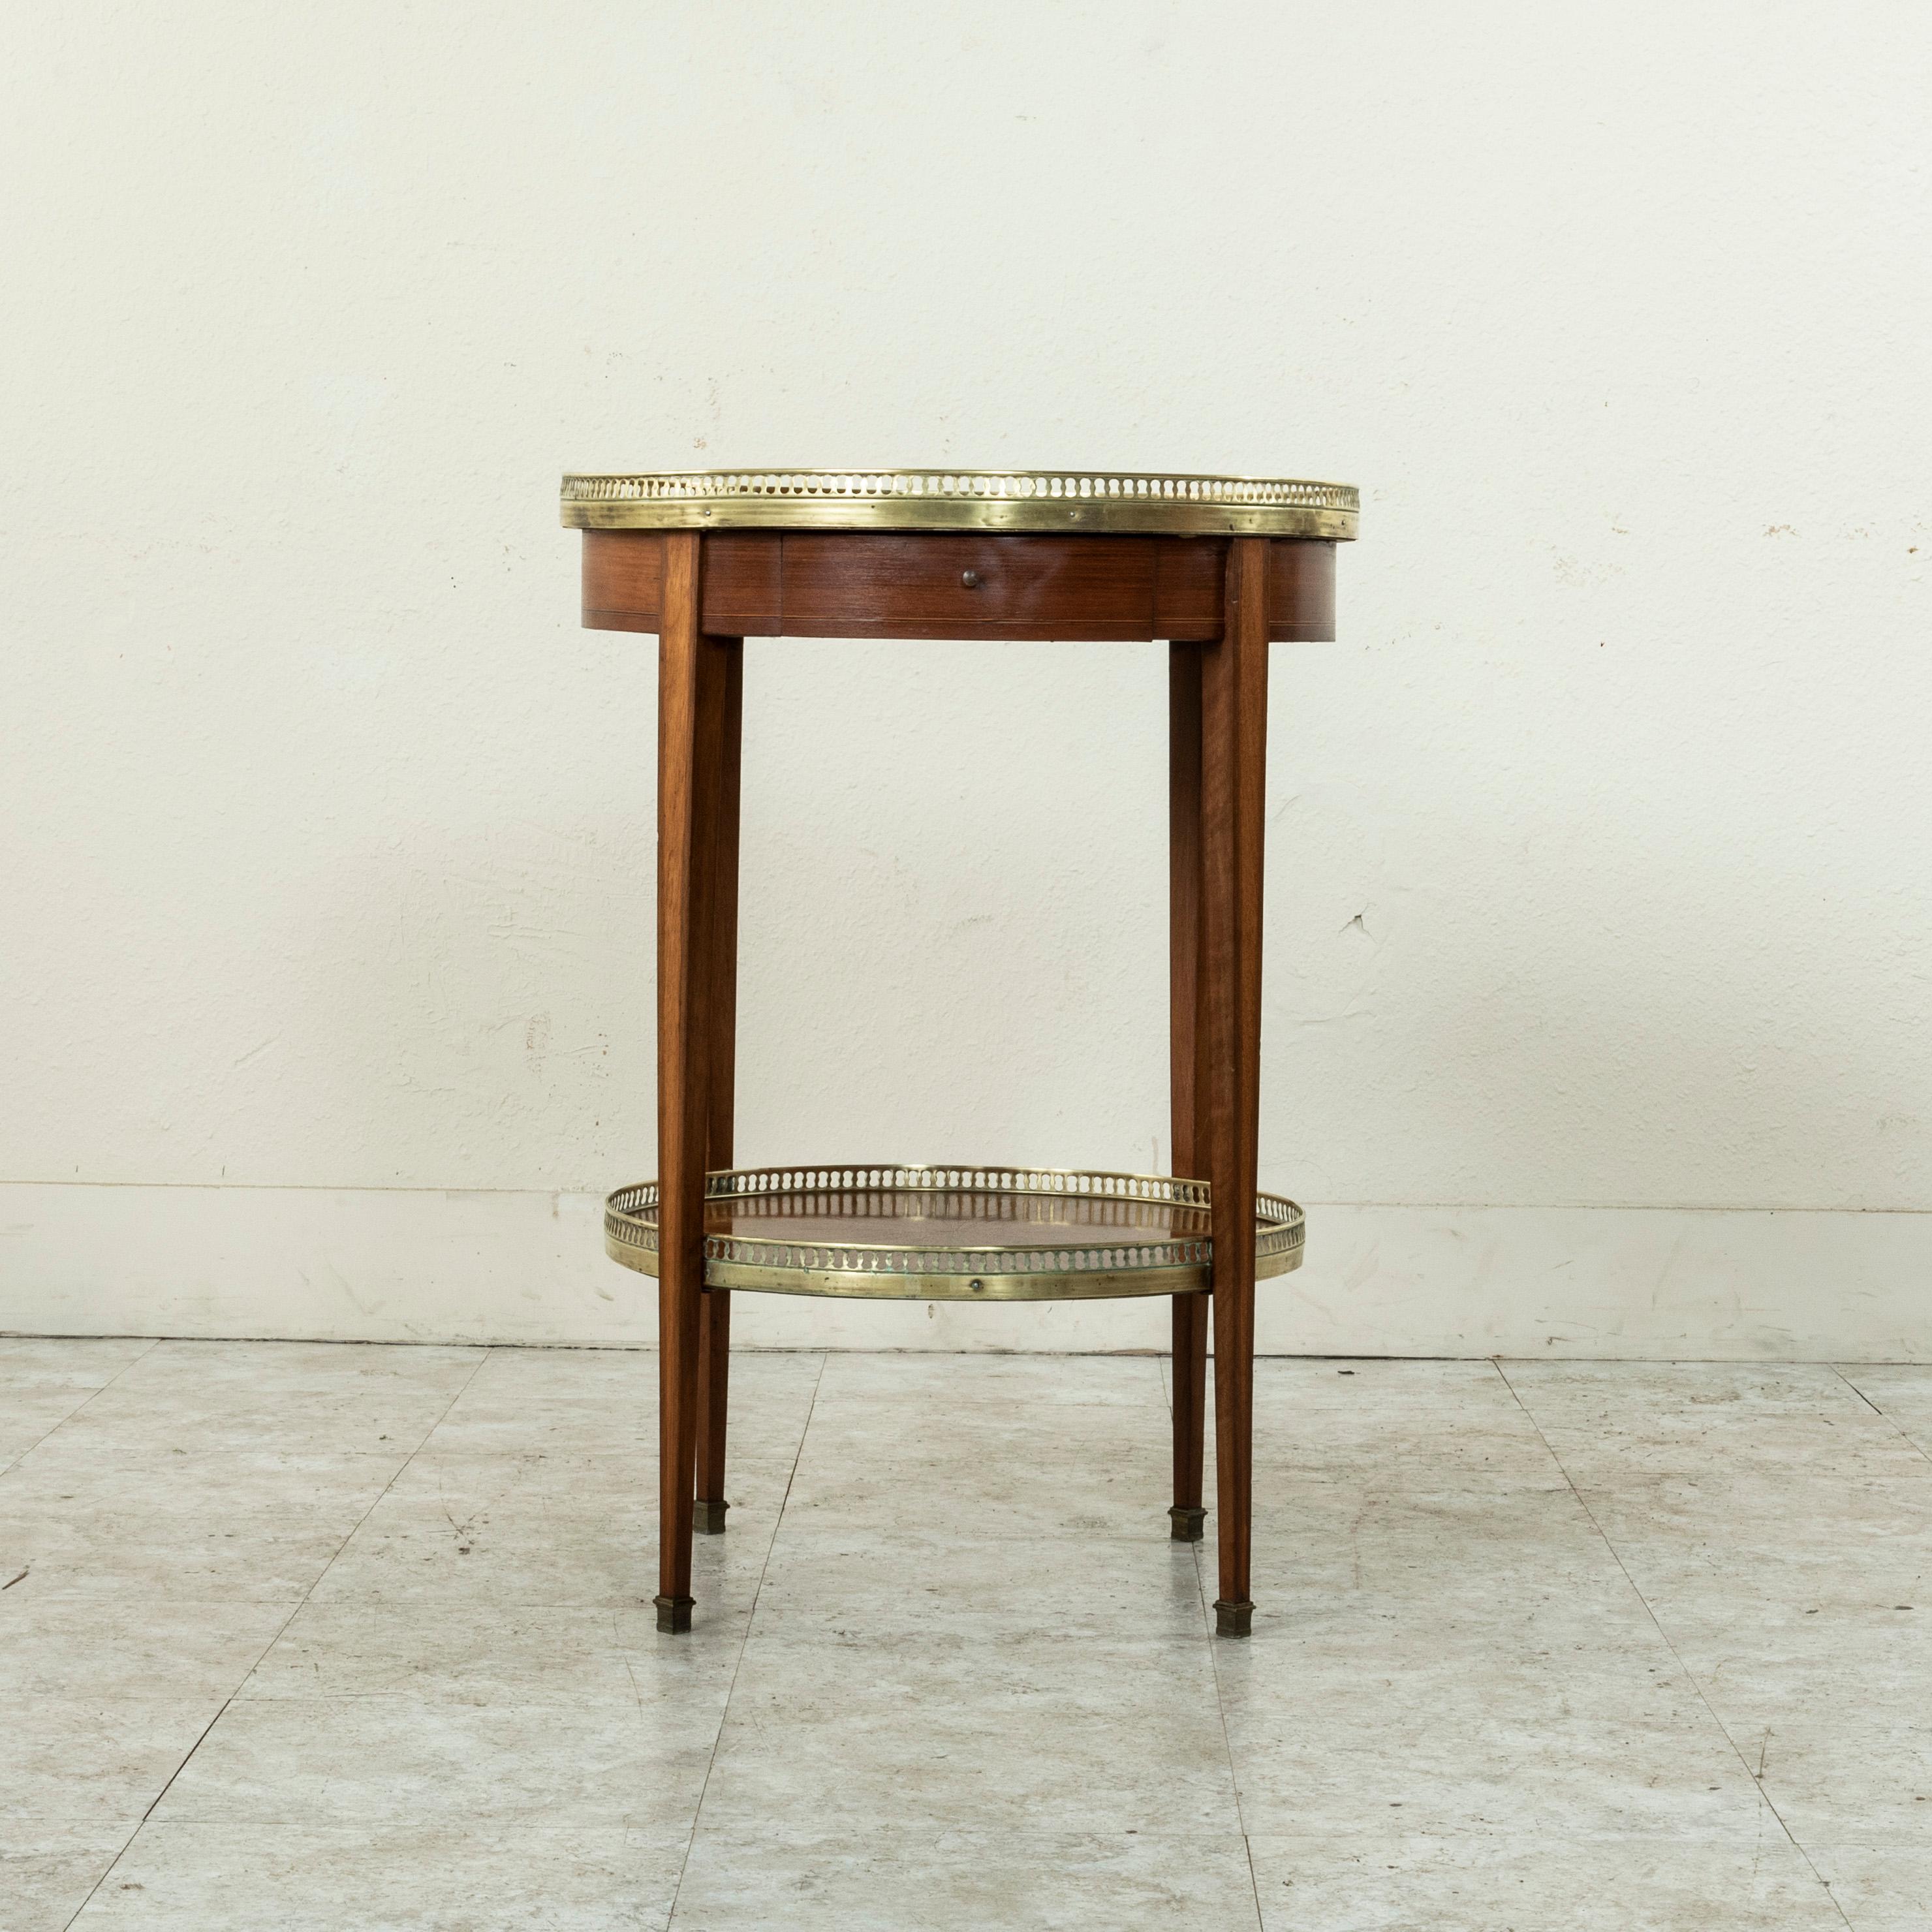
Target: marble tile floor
column 334, row 1638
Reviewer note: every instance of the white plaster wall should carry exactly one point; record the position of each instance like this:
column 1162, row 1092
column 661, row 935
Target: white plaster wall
column 1598, row 860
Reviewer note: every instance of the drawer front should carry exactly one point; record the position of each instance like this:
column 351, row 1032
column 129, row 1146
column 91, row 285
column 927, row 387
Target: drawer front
column 847, row 585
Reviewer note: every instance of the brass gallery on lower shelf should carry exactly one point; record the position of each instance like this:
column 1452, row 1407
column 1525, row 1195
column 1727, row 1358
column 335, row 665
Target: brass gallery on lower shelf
column 954, row 1232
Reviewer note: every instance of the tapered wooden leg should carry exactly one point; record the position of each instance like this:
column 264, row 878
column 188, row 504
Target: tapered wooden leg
column 1187, row 1518
column 1187, row 1043
column 1234, row 749
column 691, row 685
column 714, row 1328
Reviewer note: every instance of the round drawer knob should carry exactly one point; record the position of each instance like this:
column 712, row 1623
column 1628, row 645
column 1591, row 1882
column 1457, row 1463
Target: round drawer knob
column 970, row 578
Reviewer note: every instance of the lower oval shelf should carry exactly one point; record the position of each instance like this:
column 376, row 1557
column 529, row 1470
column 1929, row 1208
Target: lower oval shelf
column 912, row 1232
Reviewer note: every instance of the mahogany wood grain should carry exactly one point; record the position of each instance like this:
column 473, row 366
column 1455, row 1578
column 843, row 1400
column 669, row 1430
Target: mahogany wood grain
column 691, row 687
column 1187, row 1047
column 743, row 583
column 623, row 579
column 714, row 1327
column 1300, row 591
column 866, row 583
column 1187, row 587
column 966, row 585
column 1234, row 753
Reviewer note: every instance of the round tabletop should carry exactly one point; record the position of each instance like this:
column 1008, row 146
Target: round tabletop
column 1103, row 503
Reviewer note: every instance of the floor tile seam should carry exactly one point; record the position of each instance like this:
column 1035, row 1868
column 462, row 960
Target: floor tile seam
column 511, row 1824
column 914, row 1647
column 1254, row 1878
column 140, row 1823
column 48, row 1434
column 209, row 1462
column 294, row 1419
column 583, row 1700
column 1904, row 1434
column 897, row 1412
column 1711, row 1838
column 812, row 1535
column 395, row 1476
column 744, row 1641
column 1211, row 1639
column 1689, row 1677
column 483, row 1356
column 78, row 1399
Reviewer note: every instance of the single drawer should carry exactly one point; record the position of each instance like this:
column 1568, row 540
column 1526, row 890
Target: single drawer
column 965, row 585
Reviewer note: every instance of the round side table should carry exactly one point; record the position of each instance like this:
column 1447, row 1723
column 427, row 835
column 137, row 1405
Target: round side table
column 1218, row 567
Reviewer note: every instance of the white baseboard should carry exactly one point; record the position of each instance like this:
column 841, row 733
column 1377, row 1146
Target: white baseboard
column 423, row 1265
